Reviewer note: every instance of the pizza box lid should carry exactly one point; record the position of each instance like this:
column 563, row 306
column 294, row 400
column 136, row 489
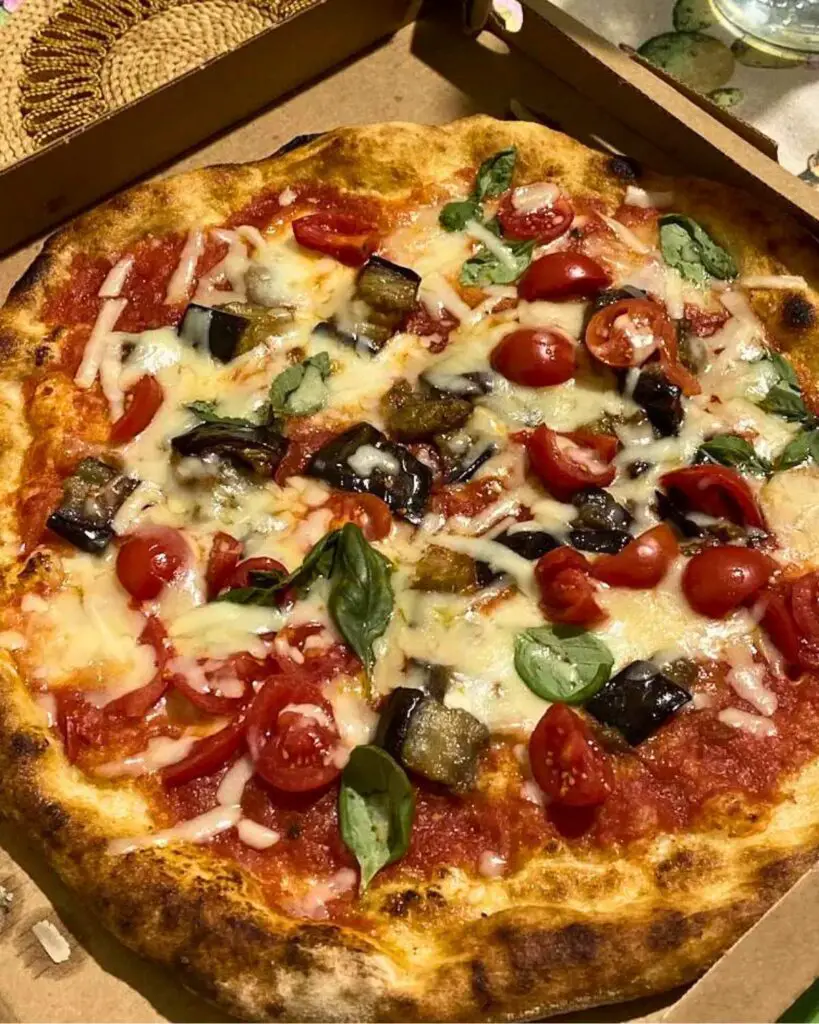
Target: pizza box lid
column 56, row 963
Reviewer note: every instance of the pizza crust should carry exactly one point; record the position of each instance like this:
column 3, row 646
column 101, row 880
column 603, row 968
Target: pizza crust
column 573, row 928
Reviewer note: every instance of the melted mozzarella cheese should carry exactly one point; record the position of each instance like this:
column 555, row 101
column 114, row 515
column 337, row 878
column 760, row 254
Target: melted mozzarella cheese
column 251, row 833
column 232, row 786
column 755, row 725
column 160, row 752
column 746, row 676
column 220, row 628
column 789, row 502
column 196, row 830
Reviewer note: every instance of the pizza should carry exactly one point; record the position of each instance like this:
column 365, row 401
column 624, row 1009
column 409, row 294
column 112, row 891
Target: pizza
column 410, row 572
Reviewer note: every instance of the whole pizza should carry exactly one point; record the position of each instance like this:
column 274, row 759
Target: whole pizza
column 410, row 605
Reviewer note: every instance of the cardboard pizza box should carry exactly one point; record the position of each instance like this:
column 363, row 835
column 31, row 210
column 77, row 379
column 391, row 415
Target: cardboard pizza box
column 56, row 962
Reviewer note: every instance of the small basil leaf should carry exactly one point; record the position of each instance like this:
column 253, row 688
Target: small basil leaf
column 317, row 563
column 454, row 216
column 689, row 248
column 376, row 805
column 266, row 578
column 300, row 390
column 562, row 663
column 485, row 268
column 785, row 401
column 800, row 449
column 495, row 174
column 735, row 451
column 783, row 369
column 361, row 598
column 206, row 411
column 264, row 597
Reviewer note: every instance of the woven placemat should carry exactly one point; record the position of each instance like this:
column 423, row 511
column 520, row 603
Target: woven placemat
column 66, row 63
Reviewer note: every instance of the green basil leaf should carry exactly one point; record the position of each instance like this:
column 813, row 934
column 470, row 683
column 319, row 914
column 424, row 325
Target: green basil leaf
column 454, row 216
column 318, row 562
column 495, row 174
column 735, row 451
column 206, row 411
column 800, row 449
column 361, row 598
column 785, row 401
column 689, row 248
column 783, row 369
column 485, row 268
column 300, row 390
column 562, row 663
column 376, row 805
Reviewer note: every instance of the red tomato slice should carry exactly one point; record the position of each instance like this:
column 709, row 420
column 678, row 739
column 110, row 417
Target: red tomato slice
column 780, row 625
column 565, row 465
column 627, row 332
column 207, row 755
column 718, row 580
column 78, row 722
column 567, row 594
column 717, row 491
column 805, row 605
column 242, row 668
column 544, row 222
column 240, row 577
column 33, row 514
column 566, row 762
column 150, row 558
column 606, row 445
column 365, row 510
column 143, row 401
column 536, row 357
column 642, row 563
column 139, row 702
column 563, row 275
column 291, row 734
column 347, row 238
column 225, row 554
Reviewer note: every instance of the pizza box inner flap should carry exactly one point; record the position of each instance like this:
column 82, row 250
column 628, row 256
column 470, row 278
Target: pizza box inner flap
column 56, row 963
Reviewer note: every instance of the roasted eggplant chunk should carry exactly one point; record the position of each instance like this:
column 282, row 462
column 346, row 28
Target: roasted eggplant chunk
column 463, row 454
column 528, row 542
column 462, row 385
column 92, row 496
column 255, row 449
column 602, row 524
column 438, row 742
column 387, row 287
column 434, row 680
column 447, row 572
column 216, row 331
column 364, row 461
column 637, row 701
column 660, row 399
column 414, row 415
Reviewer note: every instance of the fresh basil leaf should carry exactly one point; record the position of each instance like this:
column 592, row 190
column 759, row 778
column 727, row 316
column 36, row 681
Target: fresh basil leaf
column 485, row 268
column 732, row 450
column 361, row 598
column 454, row 216
column 800, row 449
column 785, row 401
column 376, row 805
column 300, row 390
column 206, row 411
column 689, row 248
column 266, row 586
column 562, row 663
column 266, row 578
column 783, row 369
column 495, row 174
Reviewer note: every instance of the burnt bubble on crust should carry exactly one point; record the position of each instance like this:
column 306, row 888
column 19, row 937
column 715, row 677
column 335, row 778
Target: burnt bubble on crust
column 625, row 168
column 297, row 142
column 798, row 312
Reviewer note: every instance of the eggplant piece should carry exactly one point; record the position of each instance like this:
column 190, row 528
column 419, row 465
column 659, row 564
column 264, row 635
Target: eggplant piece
column 600, row 542
column 256, row 449
column 92, row 496
column 612, row 295
column 473, row 384
column 432, row 679
column 428, row 738
column 597, row 510
column 297, row 142
column 401, row 481
column 637, row 469
column 413, row 416
column 464, row 456
column 442, row 571
column 386, row 286
column 363, row 343
column 217, row 331
column 660, row 400
column 671, row 508
column 637, row 701
column 530, row 543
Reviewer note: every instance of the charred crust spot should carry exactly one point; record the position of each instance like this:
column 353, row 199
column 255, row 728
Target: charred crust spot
column 578, row 942
column 798, row 313
column 480, row 985
column 41, row 354
column 399, row 904
column 24, row 745
column 54, row 818
column 625, row 168
column 293, row 830
column 668, row 871
column 30, row 276
column 668, row 931
column 436, row 898
column 296, row 957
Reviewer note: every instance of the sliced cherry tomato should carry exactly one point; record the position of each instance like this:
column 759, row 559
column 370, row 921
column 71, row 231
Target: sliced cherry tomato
column 718, row 580
column 211, row 699
column 207, row 755
column 567, row 764
column 565, row 465
column 138, row 702
column 678, row 374
column 780, row 625
column 805, row 605
column 566, row 592
column 627, row 332
column 367, row 511
column 717, row 491
column 606, row 445
column 225, row 554
column 78, row 722
column 349, row 239
column 291, row 734
column 546, row 221
column 563, row 275
column 240, row 577
column 642, row 563
column 150, row 558
column 142, row 402
column 536, row 357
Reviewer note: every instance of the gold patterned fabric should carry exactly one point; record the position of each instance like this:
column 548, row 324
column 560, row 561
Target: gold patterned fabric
column 66, row 63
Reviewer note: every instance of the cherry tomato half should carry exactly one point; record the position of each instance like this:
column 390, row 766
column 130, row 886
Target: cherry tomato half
column 142, row 402
column 291, row 734
column 642, row 563
column 805, row 605
column 150, row 558
column 567, row 764
column 138, row 702
column 627, row 332
column 349, row 239
column 536, row 357
column 365, row 510
column 548, row 219
column 563, row 275
column 225, row 554
column 718, row 580
column 78, row 722
column 241, row 668
column 207, row 755
column 565, row 465
column 780, row 625
column 240, row 577
column 566, row 592
column 717, row 491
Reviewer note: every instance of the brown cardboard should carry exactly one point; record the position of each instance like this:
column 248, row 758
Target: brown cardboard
column 431, row 72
